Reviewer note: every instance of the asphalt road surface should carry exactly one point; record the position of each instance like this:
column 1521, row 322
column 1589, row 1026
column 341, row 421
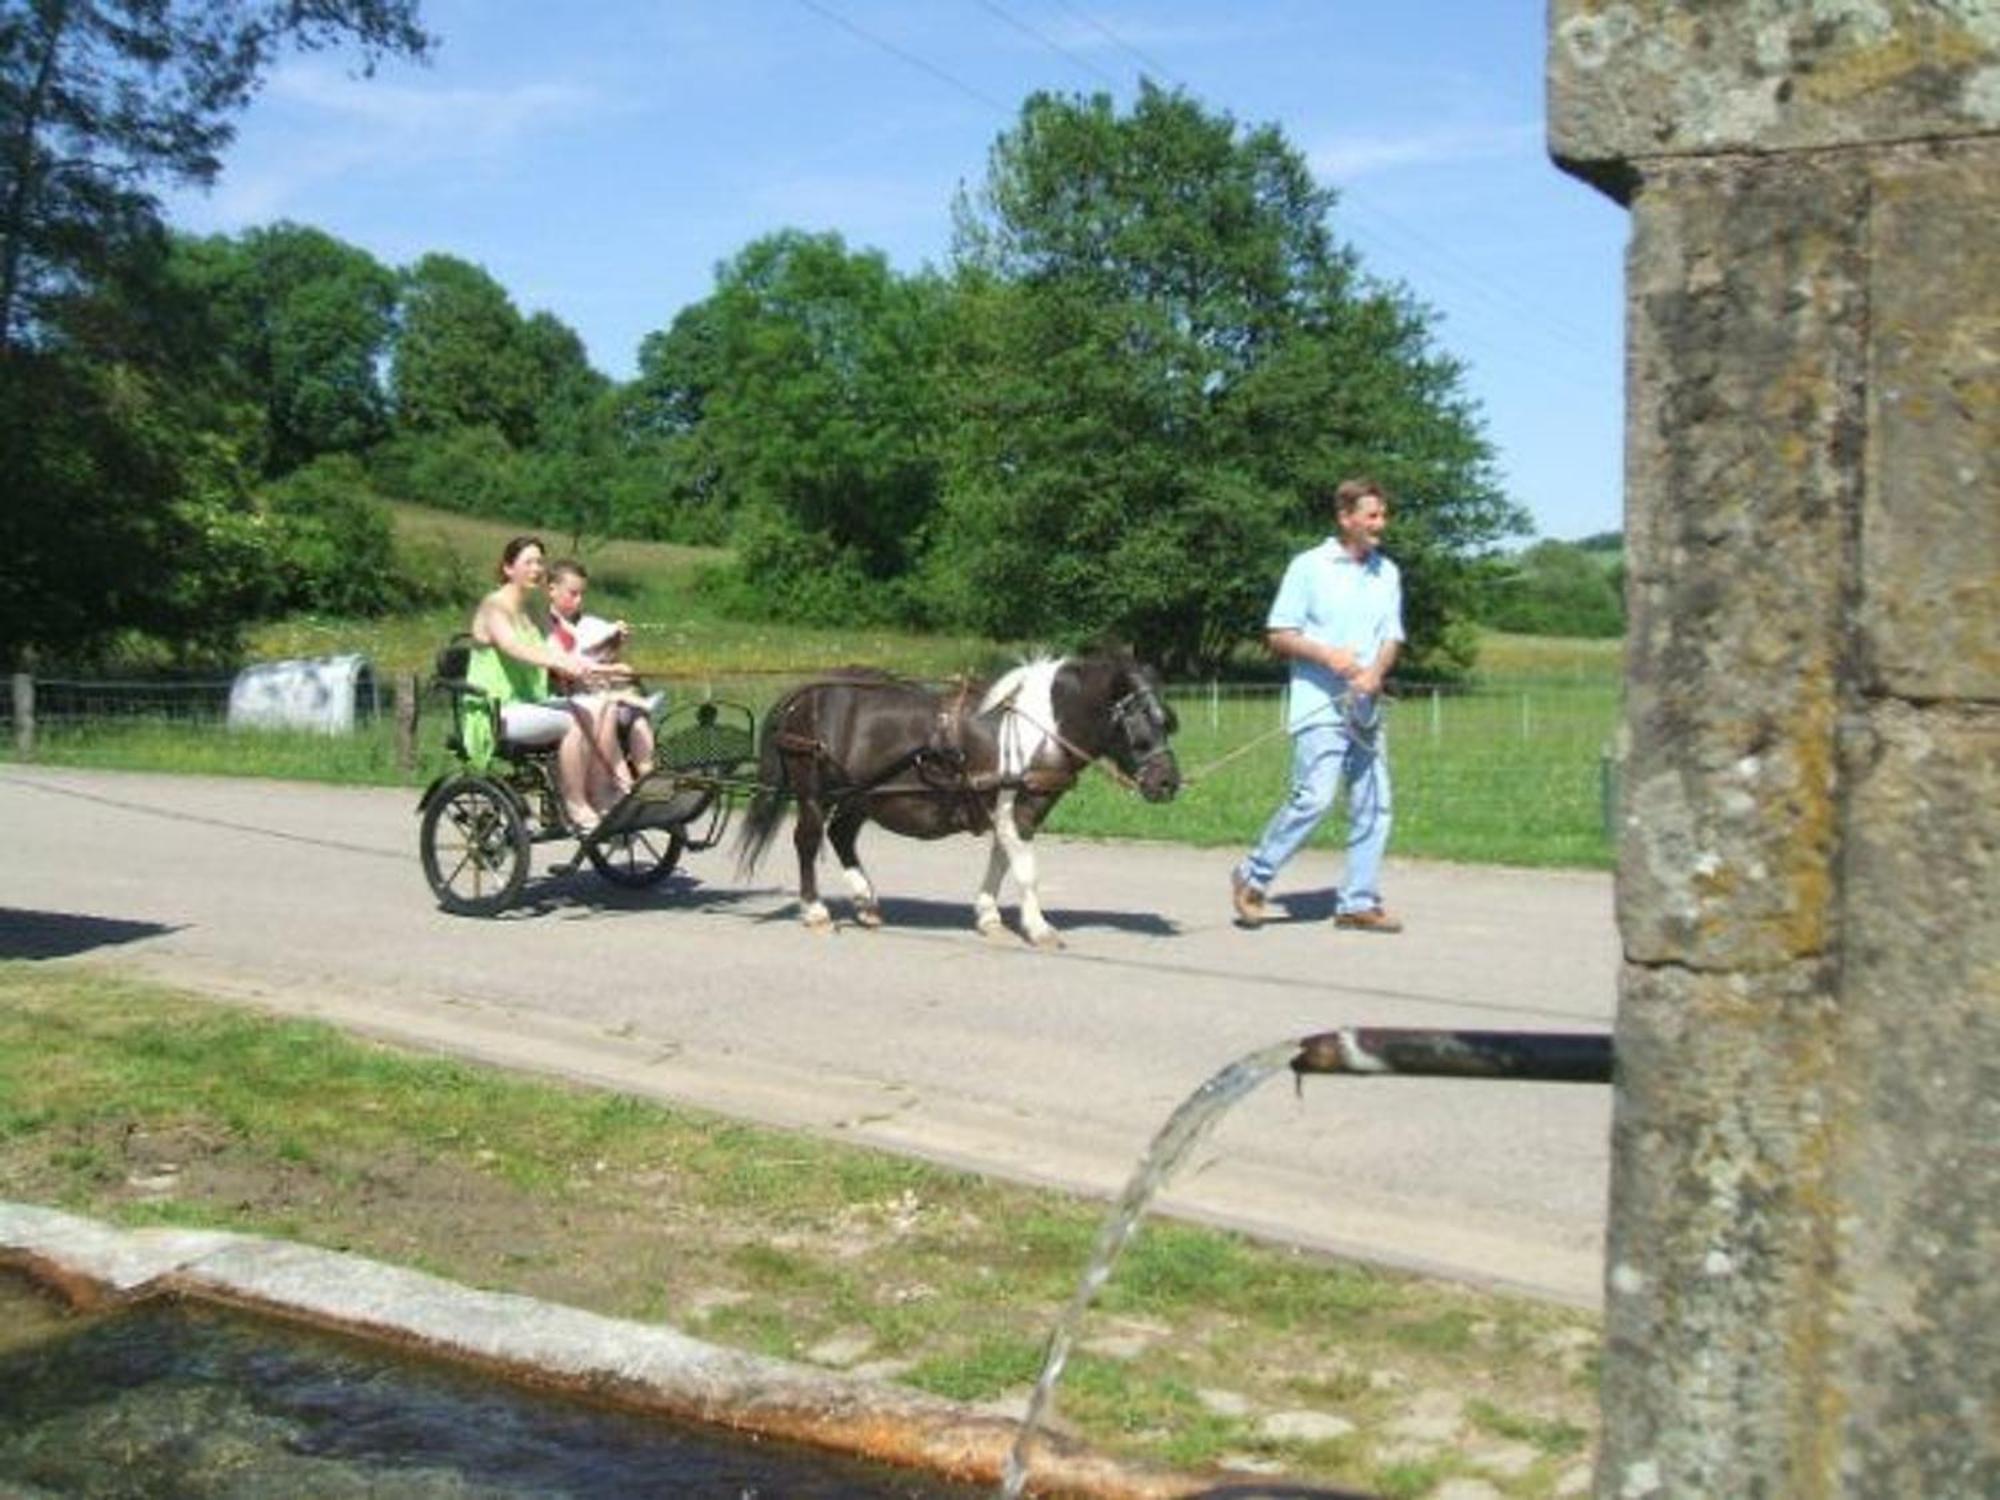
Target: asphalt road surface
column 921, row 1038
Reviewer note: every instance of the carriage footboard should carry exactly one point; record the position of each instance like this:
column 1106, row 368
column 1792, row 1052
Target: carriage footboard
column 706, row 758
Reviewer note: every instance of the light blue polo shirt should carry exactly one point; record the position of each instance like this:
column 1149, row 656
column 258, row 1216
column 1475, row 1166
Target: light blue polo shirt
column 1328, row 596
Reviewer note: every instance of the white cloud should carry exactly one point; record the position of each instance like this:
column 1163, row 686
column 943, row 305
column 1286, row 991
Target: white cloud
column 1349, row 157
column 320, row 126
column 449, row 121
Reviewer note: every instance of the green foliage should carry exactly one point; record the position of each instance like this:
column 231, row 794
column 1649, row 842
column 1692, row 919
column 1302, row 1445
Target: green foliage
column 462, row 359
column 1164, row 363
column 120, row 512
column 100, row 98
column 1561, row 588
column 141, row 390
column 472, row 470
column 298, row 325
column 801, row 400
column 336, row 544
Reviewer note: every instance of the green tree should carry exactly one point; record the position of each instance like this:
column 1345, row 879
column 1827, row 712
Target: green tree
column 801, row 395
column 122, row 513
column 1163, row 362
column 1560, row 588
column 299, row 325
column 101, row 99
column 461, row 359
column 126, row 456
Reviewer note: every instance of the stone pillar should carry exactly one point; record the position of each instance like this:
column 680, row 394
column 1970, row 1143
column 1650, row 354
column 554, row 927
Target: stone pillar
column 1803, row 1282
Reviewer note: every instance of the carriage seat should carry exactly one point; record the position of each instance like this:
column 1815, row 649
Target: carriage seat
column 448, row 676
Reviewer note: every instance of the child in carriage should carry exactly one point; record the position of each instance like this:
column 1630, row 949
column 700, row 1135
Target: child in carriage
column 599, row 640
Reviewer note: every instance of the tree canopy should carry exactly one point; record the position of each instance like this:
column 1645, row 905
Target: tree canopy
column 1165, row 363
column 127, row 450
column 101, row 99
column 802, row 394
column 1113, row 415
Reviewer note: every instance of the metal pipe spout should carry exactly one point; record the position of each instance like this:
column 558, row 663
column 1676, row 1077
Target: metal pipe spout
column 1529, row 1056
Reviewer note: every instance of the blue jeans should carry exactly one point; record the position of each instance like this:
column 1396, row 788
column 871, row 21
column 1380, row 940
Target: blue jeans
column 1324, row 757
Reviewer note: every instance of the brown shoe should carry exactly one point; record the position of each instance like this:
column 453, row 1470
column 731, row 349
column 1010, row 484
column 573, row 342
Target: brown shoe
column 1251, row 907
column 1373, row 919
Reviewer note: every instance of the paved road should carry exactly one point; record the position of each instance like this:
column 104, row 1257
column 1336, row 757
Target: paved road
column 922, row 1038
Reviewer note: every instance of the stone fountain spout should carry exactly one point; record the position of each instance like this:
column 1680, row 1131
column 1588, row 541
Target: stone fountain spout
column 1527, row 1056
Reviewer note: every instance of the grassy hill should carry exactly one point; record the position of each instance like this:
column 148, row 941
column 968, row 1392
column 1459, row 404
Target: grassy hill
column 651, row 584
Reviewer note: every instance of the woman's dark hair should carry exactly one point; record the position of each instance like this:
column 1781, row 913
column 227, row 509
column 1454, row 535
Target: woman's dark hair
column 514, row 548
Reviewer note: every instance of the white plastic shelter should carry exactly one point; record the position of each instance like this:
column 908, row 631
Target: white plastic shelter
column 320, row 693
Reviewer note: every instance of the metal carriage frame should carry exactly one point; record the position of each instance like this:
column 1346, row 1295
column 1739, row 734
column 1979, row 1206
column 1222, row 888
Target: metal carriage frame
column 479, row 824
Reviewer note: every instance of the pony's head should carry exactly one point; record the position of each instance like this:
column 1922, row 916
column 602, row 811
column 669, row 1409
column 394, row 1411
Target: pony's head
column 1141, row 725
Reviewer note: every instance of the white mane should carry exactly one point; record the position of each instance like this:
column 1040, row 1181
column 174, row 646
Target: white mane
column 1026, row 697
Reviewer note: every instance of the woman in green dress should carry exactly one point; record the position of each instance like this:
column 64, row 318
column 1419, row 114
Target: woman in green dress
column 511, row 661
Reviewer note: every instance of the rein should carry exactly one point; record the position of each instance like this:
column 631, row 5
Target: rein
column 1190, row 777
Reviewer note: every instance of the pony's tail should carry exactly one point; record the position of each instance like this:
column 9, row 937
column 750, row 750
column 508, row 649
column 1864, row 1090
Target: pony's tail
column 767, row 806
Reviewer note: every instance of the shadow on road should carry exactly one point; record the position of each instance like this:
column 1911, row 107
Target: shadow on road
column 62, row 934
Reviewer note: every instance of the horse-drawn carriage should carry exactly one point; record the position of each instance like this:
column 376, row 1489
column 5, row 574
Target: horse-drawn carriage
column 843, row 750
column 481, row 822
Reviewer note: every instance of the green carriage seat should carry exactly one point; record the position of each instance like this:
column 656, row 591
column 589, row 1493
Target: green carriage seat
column 449, row 676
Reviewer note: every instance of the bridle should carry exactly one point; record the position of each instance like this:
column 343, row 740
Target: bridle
column 1137, row 718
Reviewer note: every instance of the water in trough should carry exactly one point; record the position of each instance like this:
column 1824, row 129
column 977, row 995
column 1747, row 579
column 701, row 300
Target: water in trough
column 175, row 1402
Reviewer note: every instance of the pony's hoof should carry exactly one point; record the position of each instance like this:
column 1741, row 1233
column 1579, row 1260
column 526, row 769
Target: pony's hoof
column 1048, row 940
column 868, row 916
column 995, row 931
column 817, row 919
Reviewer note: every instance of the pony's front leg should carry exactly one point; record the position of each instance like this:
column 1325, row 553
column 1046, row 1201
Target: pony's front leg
column 986, row 905
column 1019, row 852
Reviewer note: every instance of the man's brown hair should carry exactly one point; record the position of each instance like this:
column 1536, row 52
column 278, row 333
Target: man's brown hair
column 1353, row 491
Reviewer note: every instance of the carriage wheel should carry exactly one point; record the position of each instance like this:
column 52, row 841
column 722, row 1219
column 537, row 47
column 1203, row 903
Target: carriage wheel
column 475, row 848
column 635, row 860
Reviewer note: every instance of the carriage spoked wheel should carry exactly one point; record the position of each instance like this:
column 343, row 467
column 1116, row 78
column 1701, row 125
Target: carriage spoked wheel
column 475, row 848
column 635, row 860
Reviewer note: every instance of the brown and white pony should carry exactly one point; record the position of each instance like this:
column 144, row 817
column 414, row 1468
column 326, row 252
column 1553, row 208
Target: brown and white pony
column 862, row 746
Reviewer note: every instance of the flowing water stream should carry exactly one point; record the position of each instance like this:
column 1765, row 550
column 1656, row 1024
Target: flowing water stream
column 1546, row 1057
column 1183, row 1131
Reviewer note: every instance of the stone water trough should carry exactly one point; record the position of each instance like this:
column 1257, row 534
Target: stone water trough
column 634, row 1366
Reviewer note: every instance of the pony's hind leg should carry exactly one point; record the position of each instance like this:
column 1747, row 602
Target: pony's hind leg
column 805, row 838
column 843, row 832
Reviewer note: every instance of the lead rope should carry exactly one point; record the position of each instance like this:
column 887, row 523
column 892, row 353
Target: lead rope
column 1189, row 777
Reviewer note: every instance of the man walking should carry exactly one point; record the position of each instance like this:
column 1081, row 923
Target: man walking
column 1338, row 619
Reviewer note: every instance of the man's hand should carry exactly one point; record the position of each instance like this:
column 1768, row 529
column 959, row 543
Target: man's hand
column 1340, row 661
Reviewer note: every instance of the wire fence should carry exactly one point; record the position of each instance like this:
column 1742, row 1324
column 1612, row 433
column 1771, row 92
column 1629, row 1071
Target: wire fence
column 1523, row 773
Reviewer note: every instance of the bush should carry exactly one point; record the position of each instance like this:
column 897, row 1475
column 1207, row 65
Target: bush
column 471, row 470
column 1557, row 588
column 335, row 547
column 781, row 572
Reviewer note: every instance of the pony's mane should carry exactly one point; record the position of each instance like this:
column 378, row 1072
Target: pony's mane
column 1027, row 696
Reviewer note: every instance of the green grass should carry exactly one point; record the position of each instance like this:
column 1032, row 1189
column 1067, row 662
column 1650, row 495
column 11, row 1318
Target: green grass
column 753, row 1238
column 1510, row 771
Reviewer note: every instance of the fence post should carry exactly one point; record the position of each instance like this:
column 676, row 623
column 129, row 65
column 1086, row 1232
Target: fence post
column 24, row 715
column 1437, row 714
column 1608, row 793
column 406, row 722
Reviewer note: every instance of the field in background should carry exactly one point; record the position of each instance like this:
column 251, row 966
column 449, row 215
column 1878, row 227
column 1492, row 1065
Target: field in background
column 1510, row 770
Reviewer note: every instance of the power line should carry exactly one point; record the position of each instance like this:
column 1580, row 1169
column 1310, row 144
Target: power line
column 1475, row 282
column 909, row 57
column 1145, row 62
column 1441, row 261
column 992, row 7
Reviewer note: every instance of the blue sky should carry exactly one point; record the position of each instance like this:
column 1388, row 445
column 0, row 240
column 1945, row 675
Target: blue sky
column 599, row 159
